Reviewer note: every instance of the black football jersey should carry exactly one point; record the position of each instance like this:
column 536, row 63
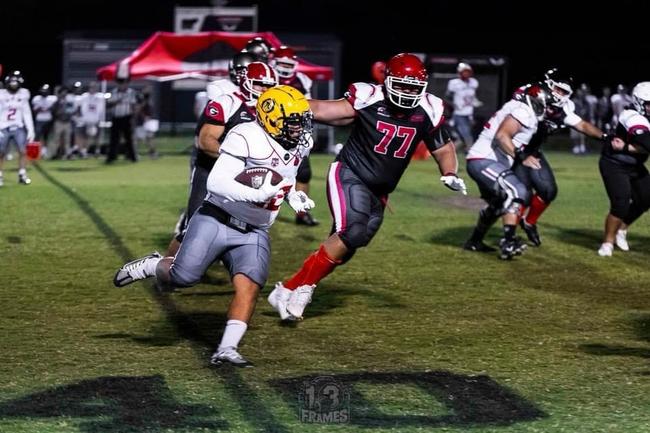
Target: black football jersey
column 630, row 124
column 227, row 110
column 383, row 138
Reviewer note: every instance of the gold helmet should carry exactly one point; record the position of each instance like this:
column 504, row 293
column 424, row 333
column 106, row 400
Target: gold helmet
column 284, row 114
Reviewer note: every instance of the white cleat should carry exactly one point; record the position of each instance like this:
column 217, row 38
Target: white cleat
column 299, row 300
column 279, row 298
column 621, row 240
column 229, row 356
column 138, row 269
column 606, row 249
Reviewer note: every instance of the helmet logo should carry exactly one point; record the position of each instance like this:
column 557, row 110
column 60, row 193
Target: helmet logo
column 268, row 105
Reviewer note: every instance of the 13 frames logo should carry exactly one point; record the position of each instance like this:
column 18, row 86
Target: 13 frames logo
column 324, row 400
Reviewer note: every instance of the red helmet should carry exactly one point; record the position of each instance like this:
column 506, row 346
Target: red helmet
column 406, row 80
column 285, row 62
column 258, row 74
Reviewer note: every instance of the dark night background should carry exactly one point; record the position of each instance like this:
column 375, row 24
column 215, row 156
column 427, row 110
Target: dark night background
column 600, row 46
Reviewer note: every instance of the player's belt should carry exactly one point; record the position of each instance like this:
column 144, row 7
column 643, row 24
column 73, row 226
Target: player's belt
column 225, row 218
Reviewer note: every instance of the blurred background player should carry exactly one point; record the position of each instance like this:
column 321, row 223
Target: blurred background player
column 532, row 168
column 285, row 63
column 218, row 117
column 461, row 92
column 237, row 73
column 92, row 110
column 387, row 122
column 260, row 48
column 78, row 140
column 145, row 124
column 121, row 105
column 620, row 100
column 42, row 107
column 16, row 123
column 604, row 110
column 232, row 224
column 584, row 106
column 490, row 161
column 623, row 170
column 63, row 111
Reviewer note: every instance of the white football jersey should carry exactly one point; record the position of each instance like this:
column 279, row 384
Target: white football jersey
column 464, row 94
column 221, row 87
column 200, row 99
column 15, row 111
column 248, row 142
column 92, row 107
column 42, row 106
column 485, row 145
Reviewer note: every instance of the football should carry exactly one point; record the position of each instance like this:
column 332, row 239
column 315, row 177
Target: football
column 254, row 176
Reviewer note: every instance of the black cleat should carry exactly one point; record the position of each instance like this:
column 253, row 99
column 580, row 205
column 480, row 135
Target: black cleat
column 507, row 249
column 531, row 232
column 305, row 219
column 479, row 247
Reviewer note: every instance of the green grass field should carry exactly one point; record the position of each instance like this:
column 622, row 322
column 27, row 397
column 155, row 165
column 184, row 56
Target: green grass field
column 414, row 333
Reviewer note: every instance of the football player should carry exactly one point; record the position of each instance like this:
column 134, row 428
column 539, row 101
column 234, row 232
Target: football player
column 218, row 117
column 461, row 92
column 233, row 222
column 490, row 161
column 533, row 168
column 388, row 121
column 260, row 48
column 623, row 170
column 16, row 123
column 285, row 63
column 92, row 106
column 43, row 105
column 237, row 71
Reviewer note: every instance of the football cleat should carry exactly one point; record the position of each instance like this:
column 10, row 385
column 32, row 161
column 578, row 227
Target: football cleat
column 299, row 300
column 531, row 232
column 279, row 298
column 510, row 248
column 22, row 178
column 478, row 246
column 606, row 249
column 136, row 270
column 306, row 219
column 621, row 240
column 229, row 356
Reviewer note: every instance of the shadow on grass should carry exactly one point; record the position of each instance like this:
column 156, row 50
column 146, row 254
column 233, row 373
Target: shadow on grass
column 197, row 328
column 465, row 400
column 116, row 405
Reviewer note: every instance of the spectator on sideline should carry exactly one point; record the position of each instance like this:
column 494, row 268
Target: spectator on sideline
column 42, row 106
column 62, row 135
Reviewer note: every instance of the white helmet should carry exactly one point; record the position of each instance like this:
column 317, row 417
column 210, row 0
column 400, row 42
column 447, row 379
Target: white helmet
column 641, row 97
column 462, row 66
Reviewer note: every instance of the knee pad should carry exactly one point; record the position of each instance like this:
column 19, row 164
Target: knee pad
column 355, row 236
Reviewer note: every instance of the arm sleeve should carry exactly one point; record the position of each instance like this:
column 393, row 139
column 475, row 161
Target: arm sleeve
column 436, row 138
column 642, row 140
column 27, row 118
column 222, row 181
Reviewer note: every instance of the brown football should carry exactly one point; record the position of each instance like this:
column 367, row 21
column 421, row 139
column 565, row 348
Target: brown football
column 254, row 176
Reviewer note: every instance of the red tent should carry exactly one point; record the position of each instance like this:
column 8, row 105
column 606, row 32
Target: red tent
column 166, row 56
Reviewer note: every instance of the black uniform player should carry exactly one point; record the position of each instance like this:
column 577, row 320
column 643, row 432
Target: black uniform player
column 388, row 122
column 218, row 117
column 624, row 173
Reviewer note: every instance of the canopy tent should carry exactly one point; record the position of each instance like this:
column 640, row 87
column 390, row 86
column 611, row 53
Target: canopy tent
column 169, row 56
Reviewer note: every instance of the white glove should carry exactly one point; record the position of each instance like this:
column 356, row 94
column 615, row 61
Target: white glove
column 299, row 201
column 269, row 191
column 454, row 183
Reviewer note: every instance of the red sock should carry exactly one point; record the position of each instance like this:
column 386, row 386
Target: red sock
column 316, row 267
column 537, row 207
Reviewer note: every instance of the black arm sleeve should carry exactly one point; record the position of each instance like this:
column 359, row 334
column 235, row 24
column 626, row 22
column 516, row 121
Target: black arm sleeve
column 642, row 140
column 437, row 138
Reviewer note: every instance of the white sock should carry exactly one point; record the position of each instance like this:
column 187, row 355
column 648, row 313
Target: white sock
column 22, row 172
column 235, row 330
column 151, row 266
column 0, row 173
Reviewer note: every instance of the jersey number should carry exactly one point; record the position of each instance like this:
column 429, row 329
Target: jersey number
column 390, row 131
column 11, row 114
